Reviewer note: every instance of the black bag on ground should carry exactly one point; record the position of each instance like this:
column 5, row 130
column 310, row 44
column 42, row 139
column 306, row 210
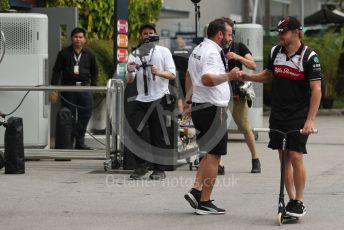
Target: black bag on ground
column 14, row 146
column 64, row 131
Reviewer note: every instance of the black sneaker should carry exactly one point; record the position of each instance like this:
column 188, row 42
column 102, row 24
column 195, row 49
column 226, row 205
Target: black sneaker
column 138, row 173
column 256, row 166
column 289, row 206
column 157, row 175
column 193, row 197
column 297, row 209
column 221, row 170
column 208, row 207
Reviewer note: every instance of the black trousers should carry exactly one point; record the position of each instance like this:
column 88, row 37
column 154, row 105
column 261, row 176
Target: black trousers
column 146, row 114
column 82, row 103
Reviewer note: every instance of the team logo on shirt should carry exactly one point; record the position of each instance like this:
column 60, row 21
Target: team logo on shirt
column 316, row 59
column 198, row 57
column 288, row 72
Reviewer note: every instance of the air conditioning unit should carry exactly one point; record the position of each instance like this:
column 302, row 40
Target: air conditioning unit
column 25, row 48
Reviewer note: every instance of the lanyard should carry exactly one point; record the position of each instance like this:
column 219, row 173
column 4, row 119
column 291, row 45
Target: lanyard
column 77, row 57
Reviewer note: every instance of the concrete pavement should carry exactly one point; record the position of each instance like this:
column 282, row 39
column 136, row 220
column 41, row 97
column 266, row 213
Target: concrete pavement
column 80, row 195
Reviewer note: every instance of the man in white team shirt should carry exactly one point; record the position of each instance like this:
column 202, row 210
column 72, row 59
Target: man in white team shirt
column 153, row 70
column 210, row 98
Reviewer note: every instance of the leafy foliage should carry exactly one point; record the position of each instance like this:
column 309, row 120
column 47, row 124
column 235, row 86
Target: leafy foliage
column 4, row 5
column 329, row 47
column 141, row 11
column 102, row 49
column 97, row 16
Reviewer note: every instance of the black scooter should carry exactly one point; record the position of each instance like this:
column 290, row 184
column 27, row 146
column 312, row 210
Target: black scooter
column 282, row 215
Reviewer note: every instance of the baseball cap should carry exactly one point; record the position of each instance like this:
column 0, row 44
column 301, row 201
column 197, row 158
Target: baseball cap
column 147, row 25
column 288, row 23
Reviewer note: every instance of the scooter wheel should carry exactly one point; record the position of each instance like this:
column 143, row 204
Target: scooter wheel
column 279, row 219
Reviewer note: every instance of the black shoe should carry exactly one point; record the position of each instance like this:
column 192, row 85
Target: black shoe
column 256, row 166
column 82, row 146
column 157, row 175
column 138, row 173
column 289, row 206
column 208, row 207
column 221, row 170
column 193, row 197
column 297, row 209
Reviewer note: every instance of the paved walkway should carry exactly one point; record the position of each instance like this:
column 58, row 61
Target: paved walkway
column 80, row 195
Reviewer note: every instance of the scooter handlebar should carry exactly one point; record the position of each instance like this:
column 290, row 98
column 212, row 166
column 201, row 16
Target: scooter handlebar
column 268, row 130
column 315, row 131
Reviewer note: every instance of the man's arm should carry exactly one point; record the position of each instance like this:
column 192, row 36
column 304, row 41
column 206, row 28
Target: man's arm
column 246, row 60
column 217, row 79
column 264, row 76
column 131, row 71
column 161, row 73
column 313, row 107
column 188, row 96
column 169, row 68
column 188, row 87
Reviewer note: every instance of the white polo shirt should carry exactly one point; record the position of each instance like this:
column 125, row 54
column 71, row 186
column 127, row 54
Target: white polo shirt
column 161, row 57
column 206, row 58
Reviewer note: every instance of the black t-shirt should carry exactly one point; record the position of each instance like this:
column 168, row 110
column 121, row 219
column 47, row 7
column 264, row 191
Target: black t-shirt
column 291, row 83
column 242, row 50
column 181, row 58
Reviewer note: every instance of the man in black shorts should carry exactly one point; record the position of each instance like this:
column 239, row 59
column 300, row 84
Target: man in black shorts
column 295, row 72
column 210, row 97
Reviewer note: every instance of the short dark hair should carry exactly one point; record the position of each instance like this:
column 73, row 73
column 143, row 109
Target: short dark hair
column 217, row 25
column 147, row 25
column 78, row 30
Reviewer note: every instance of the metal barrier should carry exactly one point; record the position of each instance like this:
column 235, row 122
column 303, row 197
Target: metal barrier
column 114, row 109
column 114, row 127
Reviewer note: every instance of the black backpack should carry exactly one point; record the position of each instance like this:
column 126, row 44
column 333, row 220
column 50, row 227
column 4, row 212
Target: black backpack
column 14, row 146
column 64, row 132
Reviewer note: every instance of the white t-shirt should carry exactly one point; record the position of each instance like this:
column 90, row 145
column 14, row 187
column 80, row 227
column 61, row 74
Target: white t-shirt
column 206, row 58
column 161, row 57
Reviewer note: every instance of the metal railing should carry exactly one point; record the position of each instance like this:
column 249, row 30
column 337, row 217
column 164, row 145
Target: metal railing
column 114, row 117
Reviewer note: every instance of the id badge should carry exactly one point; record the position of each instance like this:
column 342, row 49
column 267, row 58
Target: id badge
column 76, row 69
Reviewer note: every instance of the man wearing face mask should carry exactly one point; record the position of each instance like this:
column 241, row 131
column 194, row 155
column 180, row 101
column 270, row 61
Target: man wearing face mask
column 152, row 66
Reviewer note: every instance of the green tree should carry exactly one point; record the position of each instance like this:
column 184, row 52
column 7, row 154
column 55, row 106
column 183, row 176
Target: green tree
column 4, row 5
column 142, row 11
column 329, row 47
column 97, row 17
